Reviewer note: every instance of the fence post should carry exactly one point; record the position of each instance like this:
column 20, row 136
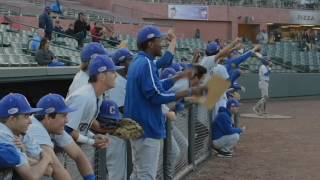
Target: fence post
column 236, row 120
column 129, row 160
column 167, row 147
column 100, row 164
column 210, row 130
column 191, row 132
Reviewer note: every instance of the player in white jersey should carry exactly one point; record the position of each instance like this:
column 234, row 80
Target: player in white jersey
column 264, row 78
column 212, row 61
column 87, row 101
column 14, row 121
column 87, row 53
column 47, row 129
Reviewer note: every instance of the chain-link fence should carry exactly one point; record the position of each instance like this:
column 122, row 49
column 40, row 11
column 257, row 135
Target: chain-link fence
column 187, row 144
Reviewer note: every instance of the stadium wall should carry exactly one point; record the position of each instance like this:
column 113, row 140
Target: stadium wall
column 282, row 85
column 35, row 84
column 230, row 15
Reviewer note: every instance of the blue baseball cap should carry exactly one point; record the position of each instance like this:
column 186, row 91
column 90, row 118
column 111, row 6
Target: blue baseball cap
column 265, row 60
column 179, row 107
column 109, row 110
column 90, row 49
column 15, row 104
column 9, row 156
column 102, row 63
column 212, row 48
column 167, row 73
column 147, row 33
column 233, row 103
column 121, row 55
column 177, row 67
column 53, row 103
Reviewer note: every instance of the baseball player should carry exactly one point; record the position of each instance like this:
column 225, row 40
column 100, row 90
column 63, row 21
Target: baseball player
column 14, row 122
column 47, row 130
column 87, row 100
column 264, row 77
column 225, row 136
column 213, row 62
column 87, row 53
column 144, row 97
column 117, row 151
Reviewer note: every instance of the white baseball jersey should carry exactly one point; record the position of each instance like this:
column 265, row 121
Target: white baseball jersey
column 7, row 137
column 87, row 106
column 180, row 85
column 118, row 93
column 41, row 136
column 263, row 73
column 33, row 149
column 208, row 62
column 79, row 80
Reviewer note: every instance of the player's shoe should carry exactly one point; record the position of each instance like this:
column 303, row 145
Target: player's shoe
column 223, row 154
column 255, row 110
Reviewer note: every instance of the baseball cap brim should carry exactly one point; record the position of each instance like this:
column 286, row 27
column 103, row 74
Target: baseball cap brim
column 66, row 110
column 31, row 111
column 116, row 68
column 106, row 118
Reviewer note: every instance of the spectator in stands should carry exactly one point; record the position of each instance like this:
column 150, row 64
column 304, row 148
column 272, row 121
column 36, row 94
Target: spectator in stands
column 224, row 135
column 144, row 97
column 45, row 57
column 117, row 151
column 46, row 23
column 35, row 44
column 197, row 34
column 47, row 130
column 262, row 37
column 277, row 35
column 14, row 121
column 96, row 33
column 87, row 100
column 81, row 26
column 58, row 28
column 70, row 31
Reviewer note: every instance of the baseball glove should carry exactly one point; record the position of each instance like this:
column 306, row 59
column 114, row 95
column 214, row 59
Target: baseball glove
column 125, row 129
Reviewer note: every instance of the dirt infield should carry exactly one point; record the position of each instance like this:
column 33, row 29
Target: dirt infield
column 272, row 149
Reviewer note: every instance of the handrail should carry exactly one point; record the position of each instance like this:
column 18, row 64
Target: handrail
column 12, row 6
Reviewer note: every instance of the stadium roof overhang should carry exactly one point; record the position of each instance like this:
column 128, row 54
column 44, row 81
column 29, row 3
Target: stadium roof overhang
column 23, row 74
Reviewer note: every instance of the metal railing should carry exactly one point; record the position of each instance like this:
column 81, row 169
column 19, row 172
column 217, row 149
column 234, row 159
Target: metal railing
column 192, row 132
column 193, row 129
column 10, row 9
